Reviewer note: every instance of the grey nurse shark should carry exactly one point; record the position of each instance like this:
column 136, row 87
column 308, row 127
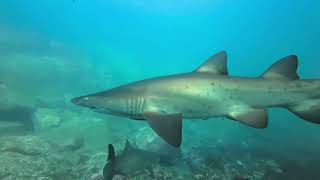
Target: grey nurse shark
column 209, row 92
column 131, row 161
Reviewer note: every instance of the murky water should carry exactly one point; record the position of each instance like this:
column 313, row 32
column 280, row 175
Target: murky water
column 52, row 51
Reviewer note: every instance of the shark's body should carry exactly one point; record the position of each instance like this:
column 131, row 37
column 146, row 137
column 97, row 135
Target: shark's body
column 209, row 92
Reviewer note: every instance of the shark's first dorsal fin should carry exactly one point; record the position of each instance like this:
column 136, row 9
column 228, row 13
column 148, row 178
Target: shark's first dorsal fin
column 108, row 169
column 286, row 68
column 216, row 64
column 112, row 154
column 128, row 146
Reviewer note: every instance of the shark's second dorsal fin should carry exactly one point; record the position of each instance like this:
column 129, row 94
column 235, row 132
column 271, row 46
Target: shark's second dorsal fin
column 216, row 64
column 286, row 68
column 128, row 146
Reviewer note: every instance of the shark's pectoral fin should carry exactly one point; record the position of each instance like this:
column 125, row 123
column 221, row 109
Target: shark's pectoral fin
column 167, row 126
column 257, row 118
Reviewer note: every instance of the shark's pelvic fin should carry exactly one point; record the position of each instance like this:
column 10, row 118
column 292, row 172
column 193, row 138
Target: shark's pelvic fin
column 257, row 118
column 216, row 64
column 167, row 126
column 286, row 68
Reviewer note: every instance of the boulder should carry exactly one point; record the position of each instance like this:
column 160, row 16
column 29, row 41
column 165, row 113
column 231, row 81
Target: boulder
column 45, row 119
column 31, row 157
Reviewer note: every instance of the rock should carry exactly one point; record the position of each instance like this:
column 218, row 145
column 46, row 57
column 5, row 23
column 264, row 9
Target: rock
column 12, row 128
column 46, row 119
column 119, row 177
column 97, row 176
column 198, row 176
column 258, row 174
column 76, row 144
column 12, row 113
column 274, row 166
column 18, row 166
column 93, row 167
column 240, row 163
column 272, row 163
column 240, row 178
column 25, row 145
column 144, row 137
column 30, row 157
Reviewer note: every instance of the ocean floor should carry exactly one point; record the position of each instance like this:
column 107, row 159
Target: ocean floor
column 72, row 144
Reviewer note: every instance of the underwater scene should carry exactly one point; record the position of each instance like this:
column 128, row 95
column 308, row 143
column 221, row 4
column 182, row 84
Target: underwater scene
column 170, row 89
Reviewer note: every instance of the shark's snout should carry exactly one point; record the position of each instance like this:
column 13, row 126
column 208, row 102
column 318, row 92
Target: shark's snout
column 85, row 101
column 81, row 101
column 75, row 101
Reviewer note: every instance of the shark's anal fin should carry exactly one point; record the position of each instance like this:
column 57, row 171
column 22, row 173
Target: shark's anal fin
column 167, row 126
column 286, row 68
column 216, row 64
column 257, row 118
column 307, row 111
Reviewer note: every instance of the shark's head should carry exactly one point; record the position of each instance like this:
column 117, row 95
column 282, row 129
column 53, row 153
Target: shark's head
column 120, row 101
column 108, row 104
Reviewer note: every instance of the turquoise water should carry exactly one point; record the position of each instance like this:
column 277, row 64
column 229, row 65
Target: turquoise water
column 52, row 51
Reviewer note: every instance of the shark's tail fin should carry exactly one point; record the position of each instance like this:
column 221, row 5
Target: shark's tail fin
column 108, row 170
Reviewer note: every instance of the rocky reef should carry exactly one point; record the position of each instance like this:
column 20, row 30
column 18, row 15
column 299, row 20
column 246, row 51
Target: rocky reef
column 44, row 137
column 66, row 150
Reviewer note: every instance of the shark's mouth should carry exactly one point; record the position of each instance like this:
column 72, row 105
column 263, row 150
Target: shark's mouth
column 100, row 110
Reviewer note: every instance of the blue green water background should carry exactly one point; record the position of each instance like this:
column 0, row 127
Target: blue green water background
column 57, row 49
